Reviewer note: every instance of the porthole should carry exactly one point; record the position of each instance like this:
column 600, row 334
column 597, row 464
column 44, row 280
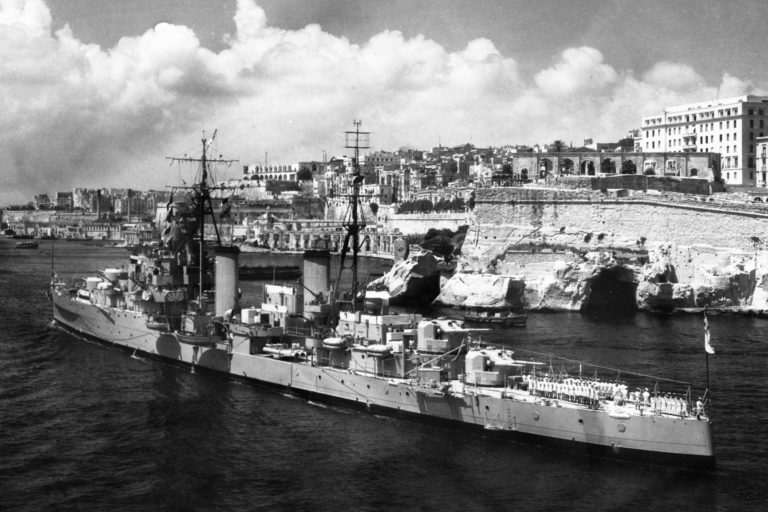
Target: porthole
column 581, row 420
column 487, row 408
column 621, row 427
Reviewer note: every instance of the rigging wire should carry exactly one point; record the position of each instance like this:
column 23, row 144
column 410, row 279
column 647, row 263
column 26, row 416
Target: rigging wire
column 603, row 367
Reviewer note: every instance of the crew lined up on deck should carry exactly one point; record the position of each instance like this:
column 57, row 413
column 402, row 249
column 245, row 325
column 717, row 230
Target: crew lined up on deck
column 591, row 392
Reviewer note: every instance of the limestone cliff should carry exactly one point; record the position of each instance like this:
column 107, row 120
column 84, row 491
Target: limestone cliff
column 413, row 281
column 482, row 291
column 574, row 251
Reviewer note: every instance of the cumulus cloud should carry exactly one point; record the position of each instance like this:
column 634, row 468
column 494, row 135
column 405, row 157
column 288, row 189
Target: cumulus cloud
column 580, row 70
column 76, row 114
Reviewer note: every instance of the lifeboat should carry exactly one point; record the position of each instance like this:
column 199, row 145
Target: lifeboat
column 378, row 350
column 157, row 323
column 334, row 343
column 198, row 340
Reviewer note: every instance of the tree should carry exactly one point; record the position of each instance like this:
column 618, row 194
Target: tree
column 559, row 146
column 628, row 167
column 304, row 174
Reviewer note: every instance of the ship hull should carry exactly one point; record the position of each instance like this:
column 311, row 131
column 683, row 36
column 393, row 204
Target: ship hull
column 649, row 439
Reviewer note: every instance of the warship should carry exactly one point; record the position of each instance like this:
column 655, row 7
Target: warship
column 179, row 302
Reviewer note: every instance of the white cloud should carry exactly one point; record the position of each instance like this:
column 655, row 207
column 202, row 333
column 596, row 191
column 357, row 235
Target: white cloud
column 580, row 70
column 75, row 114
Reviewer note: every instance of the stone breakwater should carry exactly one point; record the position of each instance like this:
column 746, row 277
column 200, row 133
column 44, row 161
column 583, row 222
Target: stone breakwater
column 573, row 249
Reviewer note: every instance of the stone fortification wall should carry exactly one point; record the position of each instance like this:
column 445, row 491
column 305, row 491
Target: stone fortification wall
column 633, row 218
column 677, row 250
column 697, row 186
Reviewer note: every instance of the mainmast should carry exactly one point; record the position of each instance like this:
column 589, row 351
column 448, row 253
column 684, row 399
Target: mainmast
column 204, row 204
column 354, row 223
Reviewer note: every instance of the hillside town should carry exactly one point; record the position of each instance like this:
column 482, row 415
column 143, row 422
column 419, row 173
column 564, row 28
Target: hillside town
column 722, row 143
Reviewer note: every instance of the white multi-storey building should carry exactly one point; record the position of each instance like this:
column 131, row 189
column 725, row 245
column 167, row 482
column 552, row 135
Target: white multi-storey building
column 728, row 126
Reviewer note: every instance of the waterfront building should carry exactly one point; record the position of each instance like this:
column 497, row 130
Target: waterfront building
column 761, row 148
column 276, row 172
column 729, row 126
column 43, row 202
column 379, row 159
column 64, row 200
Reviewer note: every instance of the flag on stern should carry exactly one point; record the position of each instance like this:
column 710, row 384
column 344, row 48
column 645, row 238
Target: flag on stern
column 707, row 345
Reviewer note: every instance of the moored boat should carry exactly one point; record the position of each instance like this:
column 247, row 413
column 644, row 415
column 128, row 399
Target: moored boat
column 27, row 245
column 498, row 317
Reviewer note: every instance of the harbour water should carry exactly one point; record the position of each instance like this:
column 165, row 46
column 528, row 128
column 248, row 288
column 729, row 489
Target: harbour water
column 88, row 427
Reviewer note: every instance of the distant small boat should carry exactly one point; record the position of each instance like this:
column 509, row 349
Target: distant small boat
column 518, row 319
column 27, row 245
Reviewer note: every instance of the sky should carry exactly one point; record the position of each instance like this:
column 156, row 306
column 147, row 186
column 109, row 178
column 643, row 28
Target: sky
column 96, row 93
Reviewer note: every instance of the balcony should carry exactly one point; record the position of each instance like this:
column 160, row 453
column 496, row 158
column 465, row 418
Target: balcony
column 689, row 141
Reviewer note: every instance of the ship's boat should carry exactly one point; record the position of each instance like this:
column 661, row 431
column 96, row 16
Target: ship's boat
column 430, row 369
column 507, row 318
column 199, row 340
column 157, row 323
column 335, row 343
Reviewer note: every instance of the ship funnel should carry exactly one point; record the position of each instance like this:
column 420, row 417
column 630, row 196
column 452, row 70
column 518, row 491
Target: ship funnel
column 316, row 273
column 226, row 278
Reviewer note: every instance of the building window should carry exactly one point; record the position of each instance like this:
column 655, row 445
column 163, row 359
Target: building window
column 735, row 161
column 751, row 111
column 751, row 123
column 751, row 161
column 762, row 122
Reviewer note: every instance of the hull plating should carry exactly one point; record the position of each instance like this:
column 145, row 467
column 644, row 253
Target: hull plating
column 655, row 439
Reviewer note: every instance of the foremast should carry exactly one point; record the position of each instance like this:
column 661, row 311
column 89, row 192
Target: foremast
column 353, row 222
column 202, row 196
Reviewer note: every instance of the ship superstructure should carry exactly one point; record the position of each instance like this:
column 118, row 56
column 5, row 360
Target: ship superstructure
column 179, row 303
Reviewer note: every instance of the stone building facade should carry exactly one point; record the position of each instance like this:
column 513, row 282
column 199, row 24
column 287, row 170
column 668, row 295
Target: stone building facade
column 535, row 166
column 729, row 126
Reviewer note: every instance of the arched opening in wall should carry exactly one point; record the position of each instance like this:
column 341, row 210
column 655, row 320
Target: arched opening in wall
column 628, row 167
column 588, row 167
column 649, row 167
column 524, row 175
column 545, row 167
column 567, row 166
column 612, row 292
column 608, row 166
column 694, row 172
